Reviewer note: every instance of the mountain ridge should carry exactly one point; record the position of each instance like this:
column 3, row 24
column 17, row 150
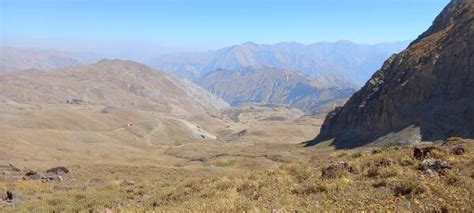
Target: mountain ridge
column 426, row 92
column 119, row 83
column 15, row 59
column 341, row 63
column 273, row 86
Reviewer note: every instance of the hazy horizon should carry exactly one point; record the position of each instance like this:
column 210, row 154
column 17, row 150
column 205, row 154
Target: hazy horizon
column 161, row 27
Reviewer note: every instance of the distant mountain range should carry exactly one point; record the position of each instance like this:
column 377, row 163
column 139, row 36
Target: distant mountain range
column 342, row 63
column 14, row 59
column 273, row 86
column 313, row 78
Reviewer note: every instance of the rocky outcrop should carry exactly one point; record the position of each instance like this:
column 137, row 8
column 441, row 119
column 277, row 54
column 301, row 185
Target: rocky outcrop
column 432, row 164
column 426, row 92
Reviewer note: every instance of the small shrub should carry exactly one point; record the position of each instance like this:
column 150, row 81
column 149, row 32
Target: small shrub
column 380, row 183
column 458, row 150
column 388, row 172
column 225, row 163
column 356, row 155
column 249, row 190
column 354, row 169
column 452, row 179
column 454, row 138
column 310, row 188
column 342, row 154
column 224, row 183
column 299, row 171
column 439, row 154
column 406, row 161
column 335, row 170
column 383, row 162
column 408, row 186
column 373, row 172
column 376, row 151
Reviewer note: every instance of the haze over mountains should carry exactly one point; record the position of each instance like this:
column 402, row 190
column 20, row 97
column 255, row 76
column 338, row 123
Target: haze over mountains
column 340, row 63
column 14, row 59
column 319, row 75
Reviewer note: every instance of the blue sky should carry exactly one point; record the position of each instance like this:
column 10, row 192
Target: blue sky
column 211, row 24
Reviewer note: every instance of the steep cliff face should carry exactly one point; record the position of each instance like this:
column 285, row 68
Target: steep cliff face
column 426, row 92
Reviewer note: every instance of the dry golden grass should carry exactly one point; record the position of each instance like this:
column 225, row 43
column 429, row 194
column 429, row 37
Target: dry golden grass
column 387, row 179
column 148, row 168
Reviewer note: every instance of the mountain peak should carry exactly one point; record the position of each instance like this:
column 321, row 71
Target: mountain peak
column 455, row 13
column 249, row 43
column 425, row 92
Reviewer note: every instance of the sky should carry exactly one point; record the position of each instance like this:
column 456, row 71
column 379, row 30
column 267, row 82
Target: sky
column 179, row 25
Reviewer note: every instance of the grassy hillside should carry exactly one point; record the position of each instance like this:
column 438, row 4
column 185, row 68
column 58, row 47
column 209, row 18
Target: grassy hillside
column 387, row 178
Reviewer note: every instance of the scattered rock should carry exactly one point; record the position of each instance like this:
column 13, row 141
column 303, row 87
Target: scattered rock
column 52, row 177
column 458, row 150
column 242, row 133
column 58, row 170
column 5, row 204
column 75, row 101
column 278, row 211
column 31, row 175
column 335, row 169
column 422, row 152
column 353, row 170
column 128, row 183
column 14, row 168
column 105, row 210
column 434, row 165
column 14, row 197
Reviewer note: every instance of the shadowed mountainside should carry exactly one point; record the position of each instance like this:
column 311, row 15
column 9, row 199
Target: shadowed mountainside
column 425, row 92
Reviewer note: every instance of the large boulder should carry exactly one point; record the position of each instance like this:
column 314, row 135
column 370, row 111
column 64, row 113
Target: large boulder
column 32, row 175
column 58, row 170
column 437, row 165
column 422, row 152
column 14, row 197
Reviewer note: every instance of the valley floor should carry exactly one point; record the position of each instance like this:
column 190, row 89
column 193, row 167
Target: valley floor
column 126, row 160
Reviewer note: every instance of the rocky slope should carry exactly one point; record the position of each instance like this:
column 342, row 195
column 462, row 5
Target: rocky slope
column 341, row 63
column 111, row 83
column 425, row 92
column 273, row 86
